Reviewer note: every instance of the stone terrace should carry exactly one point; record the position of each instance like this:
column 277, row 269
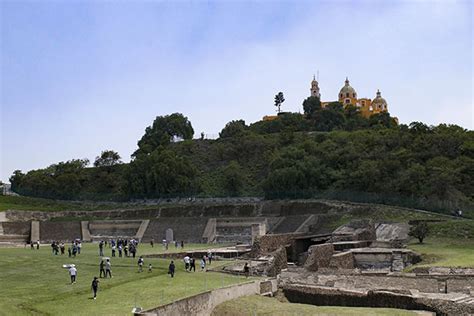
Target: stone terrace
column 184, row 228
column 59, row 231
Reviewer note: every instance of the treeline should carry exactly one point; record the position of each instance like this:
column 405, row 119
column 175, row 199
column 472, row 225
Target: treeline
column 331, row 152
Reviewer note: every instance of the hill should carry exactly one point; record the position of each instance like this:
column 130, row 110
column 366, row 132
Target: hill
column 293, row 156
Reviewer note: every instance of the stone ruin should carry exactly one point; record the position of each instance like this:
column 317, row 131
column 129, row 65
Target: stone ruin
column 360, row 264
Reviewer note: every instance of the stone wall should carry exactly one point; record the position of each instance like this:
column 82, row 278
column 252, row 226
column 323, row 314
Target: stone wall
column 324, row 296
column 319, row 256
column 460, row 285
column 277, row 263
column 16, row 228
column 343, row 260
column 60, row 231
column 188, row 229
column 269, row 243
column 203, row 304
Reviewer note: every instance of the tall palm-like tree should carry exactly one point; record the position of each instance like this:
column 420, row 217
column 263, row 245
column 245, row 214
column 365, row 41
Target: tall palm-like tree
column 279, row 99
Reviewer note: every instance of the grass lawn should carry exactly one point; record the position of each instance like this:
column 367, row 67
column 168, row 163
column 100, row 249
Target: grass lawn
column 34, row 282
column 445, row 252
column 259, row 305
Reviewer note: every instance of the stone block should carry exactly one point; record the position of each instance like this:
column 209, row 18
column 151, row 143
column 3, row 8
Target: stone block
column 319, row 256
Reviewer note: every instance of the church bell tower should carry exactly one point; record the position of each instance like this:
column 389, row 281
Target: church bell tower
column 315, row 88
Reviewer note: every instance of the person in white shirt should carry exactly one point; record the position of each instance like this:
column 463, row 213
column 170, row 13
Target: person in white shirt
column 73, row 273
column 186, row 260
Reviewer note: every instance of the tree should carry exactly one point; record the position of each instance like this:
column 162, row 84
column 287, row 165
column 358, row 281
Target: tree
column 233, row 178
column 163, row 131
column 233, row 129
column 16, row 180
column 107, row 158
column 311, row 105
column 382, row 120
column 419, row 231
column 328, row 119
column 279, row 99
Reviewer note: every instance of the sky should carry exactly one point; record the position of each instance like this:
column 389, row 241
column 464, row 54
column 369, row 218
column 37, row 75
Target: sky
column 79, row 77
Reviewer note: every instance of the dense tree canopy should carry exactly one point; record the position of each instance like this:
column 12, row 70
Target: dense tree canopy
column 107, row 158
column 163, row 131
column 330, row 152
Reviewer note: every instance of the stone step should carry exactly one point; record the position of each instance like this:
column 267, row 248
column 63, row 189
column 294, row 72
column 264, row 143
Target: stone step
column 1, row 228
column 465, row 300
column 14, row 238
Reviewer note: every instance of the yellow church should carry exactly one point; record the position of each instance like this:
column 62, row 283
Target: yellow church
column 348, row 96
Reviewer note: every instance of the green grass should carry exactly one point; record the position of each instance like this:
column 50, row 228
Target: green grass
column 34, row 282
column 39, row 204
column 444, row 252
column 258, row 305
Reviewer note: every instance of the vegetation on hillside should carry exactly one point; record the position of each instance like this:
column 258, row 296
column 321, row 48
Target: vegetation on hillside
column 330, row 152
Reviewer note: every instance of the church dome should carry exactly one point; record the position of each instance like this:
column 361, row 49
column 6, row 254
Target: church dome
column 379, row 103
column 347, row 91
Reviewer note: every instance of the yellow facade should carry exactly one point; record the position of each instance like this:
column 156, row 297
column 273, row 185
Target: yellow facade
column 348, row 96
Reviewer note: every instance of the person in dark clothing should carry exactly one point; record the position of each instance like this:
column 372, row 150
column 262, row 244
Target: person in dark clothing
column 101, row 248
column 95, row 286
column 192, row 264
column 152, row 242
column 246, row 269
column 171, row 269
column 140, row 264
column 69, row 251
column 101, row 268
column 182, row 244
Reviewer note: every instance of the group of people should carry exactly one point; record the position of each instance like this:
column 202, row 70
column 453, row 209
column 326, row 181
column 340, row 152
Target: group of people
column 123, row 246
column 59, row 247
column 190, row 262
column 128, row 248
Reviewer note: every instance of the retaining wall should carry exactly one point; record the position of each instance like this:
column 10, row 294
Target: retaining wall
column 336, row 297
column 16, row 228
column 203, row 304
column 60, row 231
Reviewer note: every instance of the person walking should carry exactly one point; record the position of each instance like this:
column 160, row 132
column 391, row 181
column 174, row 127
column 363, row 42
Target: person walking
column 171, row 269
column 108, row 268
column 62, row 247
column 37, row 244
column 95, row 286
column 102, row 268
column 152, row 242
column 73, row 274
column 246, row 270
column 101, row 248
column 150, row 268
column 192, row 264
column 186, row 260
column 209, row 257
column 203, row 263
column 140, row 264
column 113, row 251
column 120, row 250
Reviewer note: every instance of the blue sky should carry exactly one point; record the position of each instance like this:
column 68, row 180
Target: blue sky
column 78, row 77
